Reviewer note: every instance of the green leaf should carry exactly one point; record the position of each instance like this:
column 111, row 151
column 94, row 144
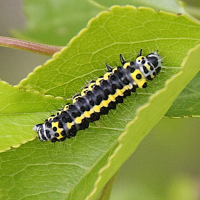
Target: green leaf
column 158, row 104
column 187, row 103
column 19, row 110
column 69, row 171
column 104, row 39
column 170, row 6
column 82, row 60
column 56, row 22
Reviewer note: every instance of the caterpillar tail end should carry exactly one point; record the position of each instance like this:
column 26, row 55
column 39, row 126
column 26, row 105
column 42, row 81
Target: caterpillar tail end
column 40, row 128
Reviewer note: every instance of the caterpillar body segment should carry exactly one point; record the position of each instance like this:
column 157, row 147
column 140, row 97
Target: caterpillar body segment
column 99, row 97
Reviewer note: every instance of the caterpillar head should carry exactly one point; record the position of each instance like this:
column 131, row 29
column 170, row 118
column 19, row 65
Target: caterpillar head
column 44, row 133
column 150, row 65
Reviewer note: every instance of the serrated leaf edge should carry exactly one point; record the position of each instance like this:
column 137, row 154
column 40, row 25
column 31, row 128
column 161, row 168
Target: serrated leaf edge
column 111, row 9
column 120, row 138
column 31, row 92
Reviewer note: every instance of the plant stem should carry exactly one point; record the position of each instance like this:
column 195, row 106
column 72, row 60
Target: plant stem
column 106, row 191
column 44, row 49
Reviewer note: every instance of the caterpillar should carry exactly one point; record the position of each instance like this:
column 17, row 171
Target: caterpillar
column 99, row 97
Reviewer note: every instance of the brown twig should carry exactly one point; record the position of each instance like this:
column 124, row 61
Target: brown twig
column 44, row 49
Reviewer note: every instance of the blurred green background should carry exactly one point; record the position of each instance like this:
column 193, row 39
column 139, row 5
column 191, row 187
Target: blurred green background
column 165, row 165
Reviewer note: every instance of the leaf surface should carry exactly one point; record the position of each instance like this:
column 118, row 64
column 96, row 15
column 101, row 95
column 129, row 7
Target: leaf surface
column 135, row 131
column 188, row 102
column 69, row 170
column 19, row 110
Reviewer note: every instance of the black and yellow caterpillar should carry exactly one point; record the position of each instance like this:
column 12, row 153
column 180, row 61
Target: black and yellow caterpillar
column 99, row 97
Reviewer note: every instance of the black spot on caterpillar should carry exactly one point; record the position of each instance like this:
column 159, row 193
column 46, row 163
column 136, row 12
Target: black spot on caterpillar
column 99, row 97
